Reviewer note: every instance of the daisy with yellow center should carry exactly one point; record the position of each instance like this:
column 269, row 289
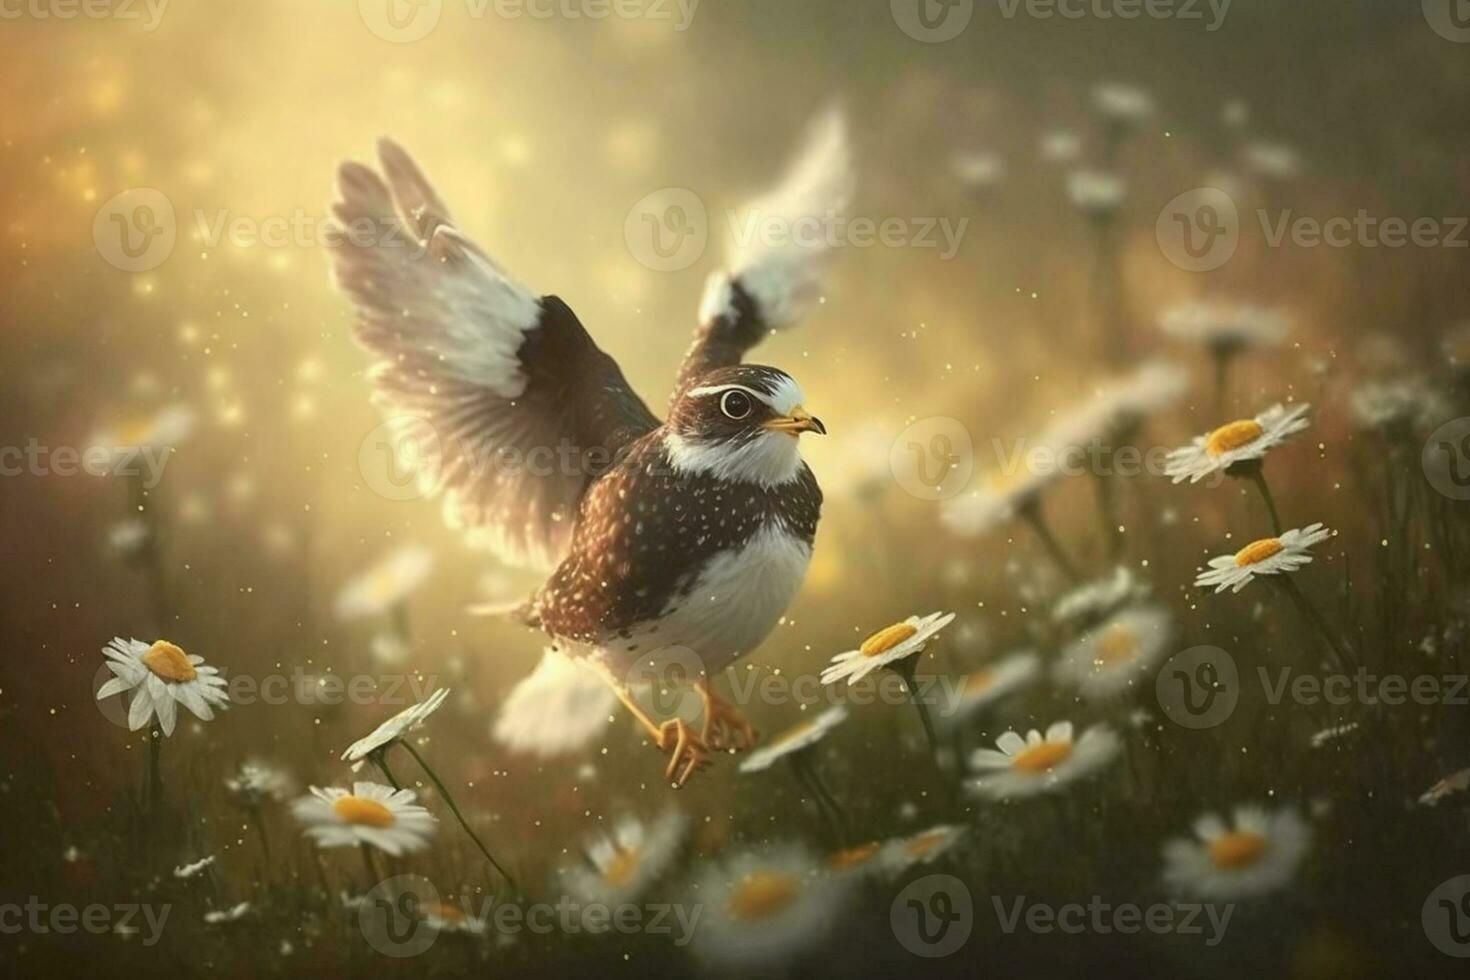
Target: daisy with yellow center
column 371, row 814
column 385, row 585
column 159, row 677
column 795, row 746
column 151, row 434
column 925, row 847
column 1041, row 763
column 1243, row 441
column 621, row 866
column 1259, row 854
column 886, row 648
column 1267, row 556
column 763, row 907
column 395, row 728
column 1114, row 656
column 794, row 740
column 981, row 688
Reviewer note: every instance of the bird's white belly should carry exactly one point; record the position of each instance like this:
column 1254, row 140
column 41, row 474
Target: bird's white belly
column 735, row 603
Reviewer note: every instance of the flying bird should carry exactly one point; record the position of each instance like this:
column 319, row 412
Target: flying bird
column 687, row 534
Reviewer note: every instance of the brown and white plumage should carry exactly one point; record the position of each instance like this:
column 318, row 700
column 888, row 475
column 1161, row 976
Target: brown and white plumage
column 633, row 516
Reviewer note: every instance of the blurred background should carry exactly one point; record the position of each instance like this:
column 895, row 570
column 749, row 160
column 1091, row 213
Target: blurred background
column 543, row 135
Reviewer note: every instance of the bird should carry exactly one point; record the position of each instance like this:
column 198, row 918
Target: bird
column 685, row 537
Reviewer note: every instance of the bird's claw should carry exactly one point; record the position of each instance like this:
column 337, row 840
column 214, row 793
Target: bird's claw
column 724, row 727
column 687, row 751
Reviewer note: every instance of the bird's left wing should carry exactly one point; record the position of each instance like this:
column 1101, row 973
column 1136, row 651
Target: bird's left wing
column 785, row 238
column 510, row 408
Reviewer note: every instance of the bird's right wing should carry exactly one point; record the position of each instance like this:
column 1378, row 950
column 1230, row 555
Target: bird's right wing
column 773, row 280
column 509, row 407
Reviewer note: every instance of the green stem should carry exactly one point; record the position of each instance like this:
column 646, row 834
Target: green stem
column 453, row 808
column 1031, row 513
column 831, row 816
column 155, row 771
column 1259, row 479
column 907, row 668
column 373, row 877
column 1345, row 661
column 380, row 759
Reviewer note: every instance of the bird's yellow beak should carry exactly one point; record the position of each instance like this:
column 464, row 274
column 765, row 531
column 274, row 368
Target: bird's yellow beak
column 799, row 421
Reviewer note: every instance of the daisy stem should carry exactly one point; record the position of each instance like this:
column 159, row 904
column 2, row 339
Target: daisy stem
column 257, row 819
column 1313, row 615
column 806, row 776
column 381, row 761
column 1031, row 513
column 155, row 771
column 1107, row 508
column 1259, row 479
column 907, row 668
column 453, row 808
column 373, row 877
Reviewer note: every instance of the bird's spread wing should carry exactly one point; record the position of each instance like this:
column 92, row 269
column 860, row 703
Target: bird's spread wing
column 509, row 408
column 775, row 271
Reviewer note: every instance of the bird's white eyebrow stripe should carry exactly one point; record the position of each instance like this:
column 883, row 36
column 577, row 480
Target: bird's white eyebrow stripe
column 716, row 389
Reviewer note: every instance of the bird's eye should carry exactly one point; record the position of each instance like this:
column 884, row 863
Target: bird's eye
column 735, row 404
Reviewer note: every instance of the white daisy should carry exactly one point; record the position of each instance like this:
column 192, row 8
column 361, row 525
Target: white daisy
column 1458, row 782
column 1099, row 597
column 255, row 782
column 444, row 917
column 385, row 584
column 1275, row 160
column 925, row 847
column 407, row 720
column 373, row 814
column 622, row 866
column 763, row 906
column 1110, row 658
column 885, row 647
column 1125, row 104
column 1223, row 328
column 185, row 871
column 983, row 687
column 1235, row 442
column 1269, row 556
column 794, row 739
column 979, row 171
column 1259, row 855
column 999, row 497
column 1041, row 763
column 234, row 914
column 155, row 432
column 1060, row 146
column 1400, row 408
column 160, row 677
column 1332, row 734
column 1096, row 193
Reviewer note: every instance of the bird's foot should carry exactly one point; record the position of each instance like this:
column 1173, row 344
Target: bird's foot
column 724, row 727
column 687, row 751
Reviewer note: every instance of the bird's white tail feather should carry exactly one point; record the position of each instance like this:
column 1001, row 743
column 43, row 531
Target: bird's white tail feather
column 559, row 708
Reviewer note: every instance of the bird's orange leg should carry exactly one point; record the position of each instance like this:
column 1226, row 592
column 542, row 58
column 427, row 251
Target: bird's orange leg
column 687, row 751
column 724, row 727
